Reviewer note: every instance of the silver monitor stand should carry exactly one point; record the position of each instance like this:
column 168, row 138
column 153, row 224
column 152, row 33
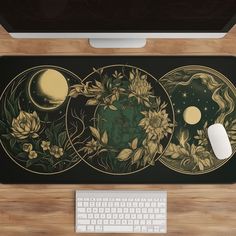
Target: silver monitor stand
column 117, row 40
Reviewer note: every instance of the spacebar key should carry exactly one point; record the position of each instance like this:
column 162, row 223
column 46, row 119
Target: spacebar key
column 117, row 228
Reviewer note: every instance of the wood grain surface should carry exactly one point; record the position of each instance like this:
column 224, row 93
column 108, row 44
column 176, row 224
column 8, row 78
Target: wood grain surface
column 48, row 210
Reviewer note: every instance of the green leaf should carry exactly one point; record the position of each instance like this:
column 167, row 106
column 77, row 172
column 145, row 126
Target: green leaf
column 105, row 138
column 7, row 136
column 125, row 154
column 8, row 116
column 37, row 145
column 29, row 163
column 11, row 109
column 22, row 154
column 58, row 127
column 2, row 125
column 112, row 107
column 46, row 118
column 137, row 156
column 131, row 76
column 92, row 102
column 62, row 138
column 134, row 143
column 152, row 162
column 95, row 132
column 12, row 142
column 49, row 134
column 201, row 166
column 152, row 147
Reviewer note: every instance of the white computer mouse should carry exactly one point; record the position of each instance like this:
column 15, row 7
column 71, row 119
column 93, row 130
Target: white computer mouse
column 219, row 141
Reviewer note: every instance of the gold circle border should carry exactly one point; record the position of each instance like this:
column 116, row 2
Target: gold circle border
column 133, row 172
column 231, row 86
column 36, row 67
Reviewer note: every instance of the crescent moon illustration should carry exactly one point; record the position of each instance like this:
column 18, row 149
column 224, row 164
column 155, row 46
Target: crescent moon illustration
column 48, row 89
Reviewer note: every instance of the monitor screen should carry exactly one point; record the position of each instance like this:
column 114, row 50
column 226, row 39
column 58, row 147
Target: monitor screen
column 117, row 15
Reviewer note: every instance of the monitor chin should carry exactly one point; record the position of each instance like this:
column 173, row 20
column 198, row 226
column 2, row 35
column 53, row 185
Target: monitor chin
column 117, row 42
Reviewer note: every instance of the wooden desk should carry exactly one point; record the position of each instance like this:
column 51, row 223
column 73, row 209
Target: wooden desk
column 48, row 210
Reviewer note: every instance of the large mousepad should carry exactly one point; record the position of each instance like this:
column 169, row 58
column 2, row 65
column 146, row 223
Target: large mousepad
column 115, row 119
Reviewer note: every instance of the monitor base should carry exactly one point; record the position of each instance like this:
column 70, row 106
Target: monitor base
column 117, row 42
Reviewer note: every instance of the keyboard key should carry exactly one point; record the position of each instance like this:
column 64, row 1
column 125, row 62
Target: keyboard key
column 81, row 228
column 98, row 228
column 90, row 228
column 144, row 229
column 83, row 222
column 118, row 222
column 117, row 228
column 113, row 210
column 162, row 210
column 124, row 222
column 149, row 229
column 106, row 222
column 130, row 222
column 139, row 216
column 144, row 210
column 136, row 222
column 137, row 229
column 89, row 210
column 93, row 222
column 82, row 216
column 112, row 222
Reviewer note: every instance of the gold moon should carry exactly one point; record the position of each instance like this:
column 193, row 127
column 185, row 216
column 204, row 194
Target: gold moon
column 192, row 115
column 48, row 89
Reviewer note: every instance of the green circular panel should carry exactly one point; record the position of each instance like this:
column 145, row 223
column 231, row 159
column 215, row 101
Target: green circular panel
column 120, row 119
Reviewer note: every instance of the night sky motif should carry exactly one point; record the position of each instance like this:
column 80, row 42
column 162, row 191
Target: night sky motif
column 195, row 95
column 212, row 97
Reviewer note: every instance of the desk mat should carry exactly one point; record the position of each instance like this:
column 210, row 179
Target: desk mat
column 115, row 119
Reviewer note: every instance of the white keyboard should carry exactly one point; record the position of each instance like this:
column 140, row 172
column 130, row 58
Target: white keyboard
column 121, row 211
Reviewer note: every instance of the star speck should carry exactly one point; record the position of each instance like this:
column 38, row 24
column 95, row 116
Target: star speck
column 205, row 108
column 184, row 95
column 178, row 111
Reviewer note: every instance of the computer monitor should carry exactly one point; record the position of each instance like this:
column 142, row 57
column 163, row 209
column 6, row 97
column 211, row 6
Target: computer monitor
column 117, row 23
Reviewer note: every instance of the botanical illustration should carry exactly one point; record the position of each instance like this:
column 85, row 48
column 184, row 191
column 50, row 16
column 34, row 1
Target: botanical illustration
column 201, row 97
column 32, row 120
column 119, row 119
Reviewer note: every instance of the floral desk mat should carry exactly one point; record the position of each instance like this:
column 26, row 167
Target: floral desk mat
column 115, row 119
